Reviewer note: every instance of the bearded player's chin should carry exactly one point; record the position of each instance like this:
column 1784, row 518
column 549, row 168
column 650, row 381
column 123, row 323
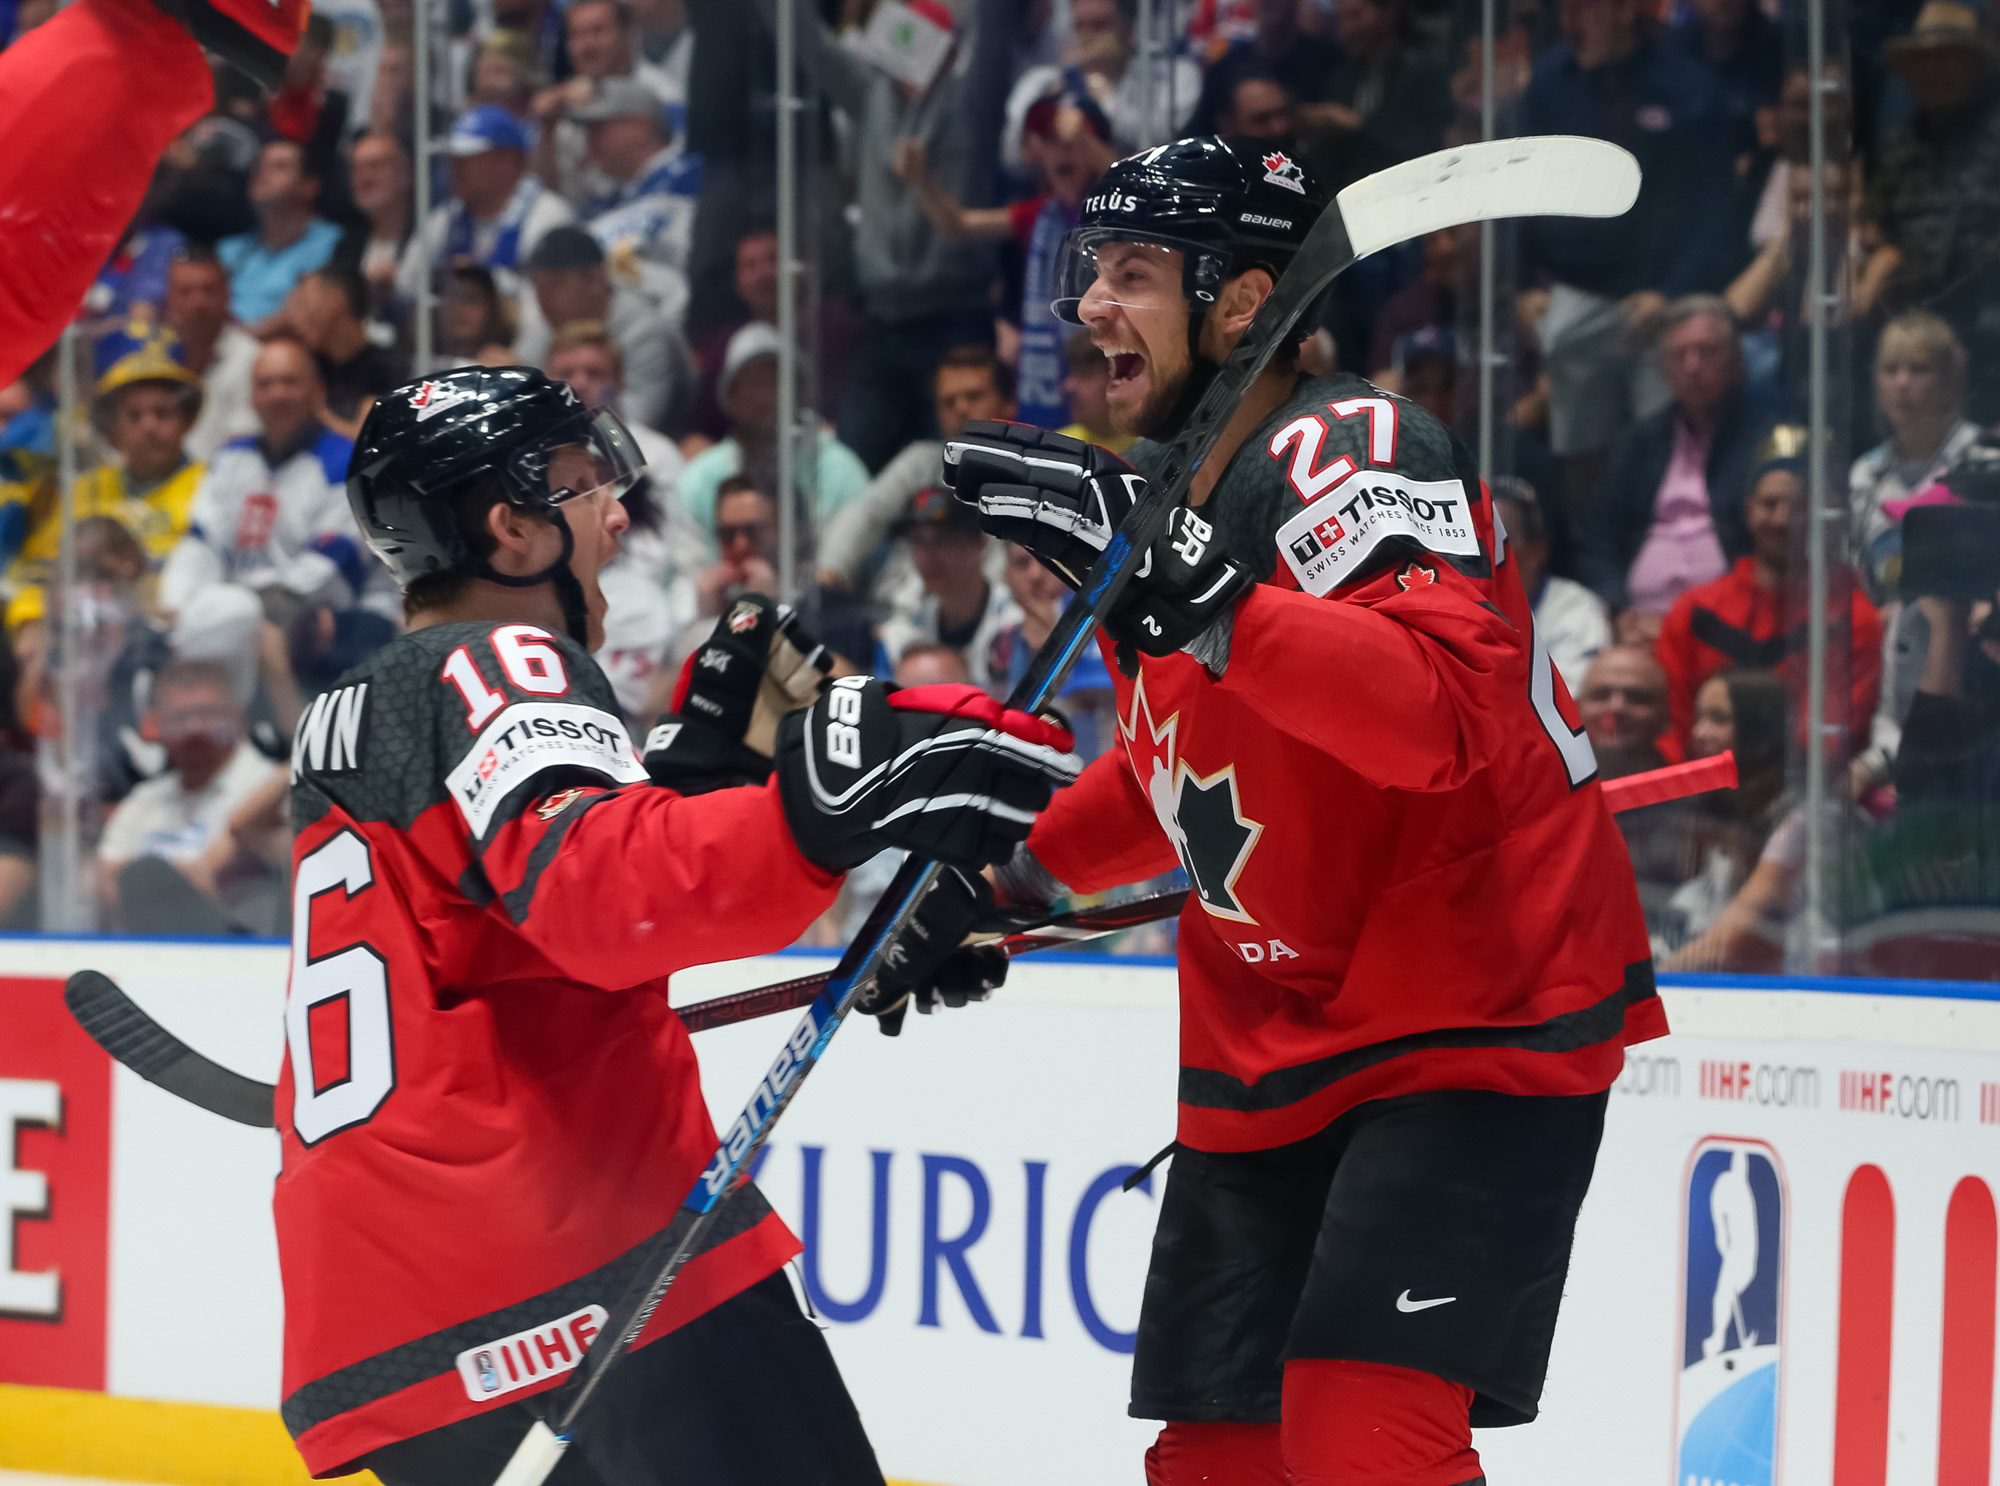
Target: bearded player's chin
column 1152, row 417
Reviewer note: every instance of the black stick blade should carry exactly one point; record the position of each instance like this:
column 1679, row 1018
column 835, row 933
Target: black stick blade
column 117, row 1025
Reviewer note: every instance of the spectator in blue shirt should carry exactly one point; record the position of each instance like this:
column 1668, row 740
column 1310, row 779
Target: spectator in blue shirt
column 290, row 241
column 1610, row 280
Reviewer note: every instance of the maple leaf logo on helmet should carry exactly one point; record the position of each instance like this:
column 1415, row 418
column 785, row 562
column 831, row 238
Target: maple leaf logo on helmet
column 1281, row 169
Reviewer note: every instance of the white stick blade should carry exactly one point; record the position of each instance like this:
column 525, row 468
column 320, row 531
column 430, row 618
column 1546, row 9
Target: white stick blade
column 538, row 1454
column 1538, row 175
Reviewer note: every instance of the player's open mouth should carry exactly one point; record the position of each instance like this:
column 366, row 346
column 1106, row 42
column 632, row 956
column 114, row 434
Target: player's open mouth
column 1126, row 368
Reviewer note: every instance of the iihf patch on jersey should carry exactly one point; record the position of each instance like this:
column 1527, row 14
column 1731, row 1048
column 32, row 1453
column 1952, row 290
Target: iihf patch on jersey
column 1328, row 543
column 532, row 736
column 500, row 1366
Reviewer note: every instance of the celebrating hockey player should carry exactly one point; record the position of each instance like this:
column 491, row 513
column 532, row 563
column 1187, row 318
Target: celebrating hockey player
column 489, row 1113
column 1413, row 954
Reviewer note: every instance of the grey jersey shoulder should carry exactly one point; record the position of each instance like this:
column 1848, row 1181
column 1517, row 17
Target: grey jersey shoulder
column 384, row 741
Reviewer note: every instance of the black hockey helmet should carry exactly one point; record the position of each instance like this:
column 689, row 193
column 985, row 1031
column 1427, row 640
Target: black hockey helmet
column 1228, row 204
column 426, row 438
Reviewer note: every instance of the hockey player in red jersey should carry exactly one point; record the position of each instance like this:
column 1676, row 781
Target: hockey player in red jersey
column 1413, row 954
column 489, row 1113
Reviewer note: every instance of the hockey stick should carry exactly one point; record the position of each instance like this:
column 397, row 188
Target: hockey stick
column 1551, row 175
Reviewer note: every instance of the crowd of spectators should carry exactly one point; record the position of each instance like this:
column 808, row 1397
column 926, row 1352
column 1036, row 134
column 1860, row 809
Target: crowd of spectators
column 604, row 208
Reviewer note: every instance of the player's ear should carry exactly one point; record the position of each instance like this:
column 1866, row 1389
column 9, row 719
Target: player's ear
column 1233, row 311
column 512, row 530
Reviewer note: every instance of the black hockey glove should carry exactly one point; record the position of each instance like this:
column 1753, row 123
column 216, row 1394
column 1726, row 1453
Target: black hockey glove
column 1056, row 496
column 930, row 964
column 944, row 771
column 1185, row 584
column 755, row 666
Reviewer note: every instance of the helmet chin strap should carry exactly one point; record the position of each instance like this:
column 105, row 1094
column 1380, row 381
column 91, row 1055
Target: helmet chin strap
column 569, row 592
column 1201, row 372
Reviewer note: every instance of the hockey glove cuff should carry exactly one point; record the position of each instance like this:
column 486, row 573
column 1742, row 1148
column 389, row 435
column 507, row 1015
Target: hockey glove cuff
column 756, row 665
column 930, row 965
column 1056, row 496
column 1185, row 587
column 944, row 771
column 257, row 37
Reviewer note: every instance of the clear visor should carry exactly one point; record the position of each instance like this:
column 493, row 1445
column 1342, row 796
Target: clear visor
column 1096, row 265
column 598, row 456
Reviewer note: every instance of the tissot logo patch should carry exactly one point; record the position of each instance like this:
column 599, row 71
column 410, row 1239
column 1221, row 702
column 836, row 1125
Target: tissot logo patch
column 1351, row 520
column 530, row 737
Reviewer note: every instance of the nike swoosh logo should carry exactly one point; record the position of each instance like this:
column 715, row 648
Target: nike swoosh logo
column 1406, row 1305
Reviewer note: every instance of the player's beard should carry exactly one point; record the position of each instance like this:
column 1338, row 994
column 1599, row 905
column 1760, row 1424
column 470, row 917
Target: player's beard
column 1171, row 395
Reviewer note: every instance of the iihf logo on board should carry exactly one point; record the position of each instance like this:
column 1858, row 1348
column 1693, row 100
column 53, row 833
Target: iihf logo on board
column 1732, row 1268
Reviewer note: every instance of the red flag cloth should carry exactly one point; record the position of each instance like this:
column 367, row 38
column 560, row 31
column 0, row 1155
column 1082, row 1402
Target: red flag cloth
column 88, row 102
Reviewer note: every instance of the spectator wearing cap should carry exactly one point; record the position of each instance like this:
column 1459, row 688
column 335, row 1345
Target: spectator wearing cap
column 1611, row 280
column 1936, row 193
column 145, row 403
column 1388, row 100
column 498, row 211
column 961, row 607
column 290, row 239
column 572, row 282
column 653, row 183
column 271, row 512
column 213, row 347
column 1571, row 620
column 602, row 48
column 971, row 383
column 328, row 312
column 1145, row 105
column 749, row 391
column 1071, row 150
column 1669, row 515
column 921, row 292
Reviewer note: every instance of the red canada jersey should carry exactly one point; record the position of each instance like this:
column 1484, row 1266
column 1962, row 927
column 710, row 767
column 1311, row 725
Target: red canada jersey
column 487, row 1107
column 1404, row 873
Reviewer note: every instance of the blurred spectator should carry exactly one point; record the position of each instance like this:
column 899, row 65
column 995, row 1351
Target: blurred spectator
column 1423, row 366
column 194, row 818
column 1745, row 49
column 1104, row 61
column 136, row 273
column 749, row 391
column 353, row 53
column 1278, row 51
column 1087, row 699
column 1755, row 616
column 306, row 108
column 970, row 384
column 927, row 663
column 1920, row 377
column 1254, row 103
column 651, row 183
column 1713, row 841
column 1612, row 278
column 392, row 103
column 271, row 512
column 329, row 312
column 961, row 608
column 212, row 347
column 507, row 72
column 379, row 181
column 920, row 292
column 1429, row 299
column 1072, row 152
column 571, row 282
column 755, row 277
column 475, row 326
column 290, row 239
column 1624, row 709
column 1387, row 101
column 1937, row 190
column 498, row 212
column 145, row 404
column 1571, row 620
column 1085, row 386
column 601, row 48
column 746, row 536
column 1669, row 514
column 583, row 354
column 667, row 41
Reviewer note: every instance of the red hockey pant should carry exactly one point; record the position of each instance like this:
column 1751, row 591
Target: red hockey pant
column 1345, row 1424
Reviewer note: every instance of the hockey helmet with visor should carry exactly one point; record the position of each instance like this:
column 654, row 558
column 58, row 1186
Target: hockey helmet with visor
column 540, row 446
column 1225, row 204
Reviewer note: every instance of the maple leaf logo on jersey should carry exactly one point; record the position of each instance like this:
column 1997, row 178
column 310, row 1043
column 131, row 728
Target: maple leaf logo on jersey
column 555, row 805
column 1281, row 169
column 1202, row 817
column 1416, row 575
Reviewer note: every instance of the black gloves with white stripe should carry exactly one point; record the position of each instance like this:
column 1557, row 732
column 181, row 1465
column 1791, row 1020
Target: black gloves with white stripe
column 943, row 771
column 930, row 965
column 1062, row 498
